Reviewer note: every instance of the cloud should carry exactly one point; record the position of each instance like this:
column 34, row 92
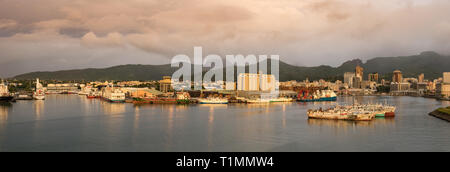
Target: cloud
column 111, row 40
column 307, row 32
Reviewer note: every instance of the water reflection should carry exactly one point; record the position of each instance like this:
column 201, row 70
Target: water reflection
column 4, row 111
column 113, row 108
column 39, row 109
column 342, row 124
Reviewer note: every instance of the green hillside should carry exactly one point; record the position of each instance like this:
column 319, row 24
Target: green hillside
column 429, row 63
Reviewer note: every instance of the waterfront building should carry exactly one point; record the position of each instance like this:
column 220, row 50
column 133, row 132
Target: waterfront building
column 348, row 78
column 256, row 82
column 230, row 85
column 443, row 87
column 400, row 87
column 62, row 88
column 140, row 92
column 357, row 82
column 165, row 85
column 397, row 76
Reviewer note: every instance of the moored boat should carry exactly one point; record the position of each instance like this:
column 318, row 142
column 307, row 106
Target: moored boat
column 5, row 96
column 353, row 113
column 39, row 94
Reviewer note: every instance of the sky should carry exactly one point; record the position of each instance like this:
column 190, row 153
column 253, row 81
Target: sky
column 49, row 35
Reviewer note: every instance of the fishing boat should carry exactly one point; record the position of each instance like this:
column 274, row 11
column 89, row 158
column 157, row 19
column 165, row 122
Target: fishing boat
column 5, row 96
column 93, row 95
column 213, row 101
column 354, row 112
column 39, row 94
column 323, row 95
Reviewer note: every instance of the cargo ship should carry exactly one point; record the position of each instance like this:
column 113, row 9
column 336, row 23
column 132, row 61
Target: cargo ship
column 354, row 112
column 323, row 95
column 39, row 93
column 5, row 96
column 213, row 101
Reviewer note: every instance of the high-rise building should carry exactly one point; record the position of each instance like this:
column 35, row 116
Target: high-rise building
column 165, row 85
column 397, row 77
column 421, row 77
column 348, row 78
column 256, row 82
column 446, row 78
column 359, row 71
column 373, row 77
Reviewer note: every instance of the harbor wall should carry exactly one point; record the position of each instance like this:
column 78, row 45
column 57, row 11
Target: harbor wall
column 440, row 115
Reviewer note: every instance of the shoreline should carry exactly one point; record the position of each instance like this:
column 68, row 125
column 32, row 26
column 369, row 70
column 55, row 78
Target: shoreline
column 441, row 115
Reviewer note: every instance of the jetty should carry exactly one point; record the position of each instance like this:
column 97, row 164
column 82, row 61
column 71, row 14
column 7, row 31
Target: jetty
column 442, row 113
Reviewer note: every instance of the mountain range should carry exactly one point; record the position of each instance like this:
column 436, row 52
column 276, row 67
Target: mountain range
column 430, row 63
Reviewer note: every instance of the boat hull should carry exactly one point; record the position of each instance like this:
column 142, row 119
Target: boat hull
column 319, row 100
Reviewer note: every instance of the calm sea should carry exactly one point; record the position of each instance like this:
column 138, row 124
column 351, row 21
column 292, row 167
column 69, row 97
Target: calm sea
column 74, row 123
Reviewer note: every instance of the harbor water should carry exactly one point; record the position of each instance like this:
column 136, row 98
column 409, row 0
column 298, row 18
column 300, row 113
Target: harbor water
column 75, row 123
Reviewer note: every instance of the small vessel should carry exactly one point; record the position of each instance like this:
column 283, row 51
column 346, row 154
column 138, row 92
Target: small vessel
column 213, row 101
column 5, row 96
column 39, row 94
column 354, row 112
column 323, row 95
column 24, row 96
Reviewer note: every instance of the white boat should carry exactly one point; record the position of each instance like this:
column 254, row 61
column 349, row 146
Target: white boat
column 258, row 101
column 112, row 94
column 213, row 101
column 282, row 99
column 39, row 94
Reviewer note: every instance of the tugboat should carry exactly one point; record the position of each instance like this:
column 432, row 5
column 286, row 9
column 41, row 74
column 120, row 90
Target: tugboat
column 39, row 94
column 5, row 96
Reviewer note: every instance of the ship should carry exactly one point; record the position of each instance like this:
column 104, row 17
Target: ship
column 354, row 112
column 93, row 95
column 213, row 101
column 323, row 95
column 258, row 101
column 5, row 96
column 39, row 94
column 112, row 94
